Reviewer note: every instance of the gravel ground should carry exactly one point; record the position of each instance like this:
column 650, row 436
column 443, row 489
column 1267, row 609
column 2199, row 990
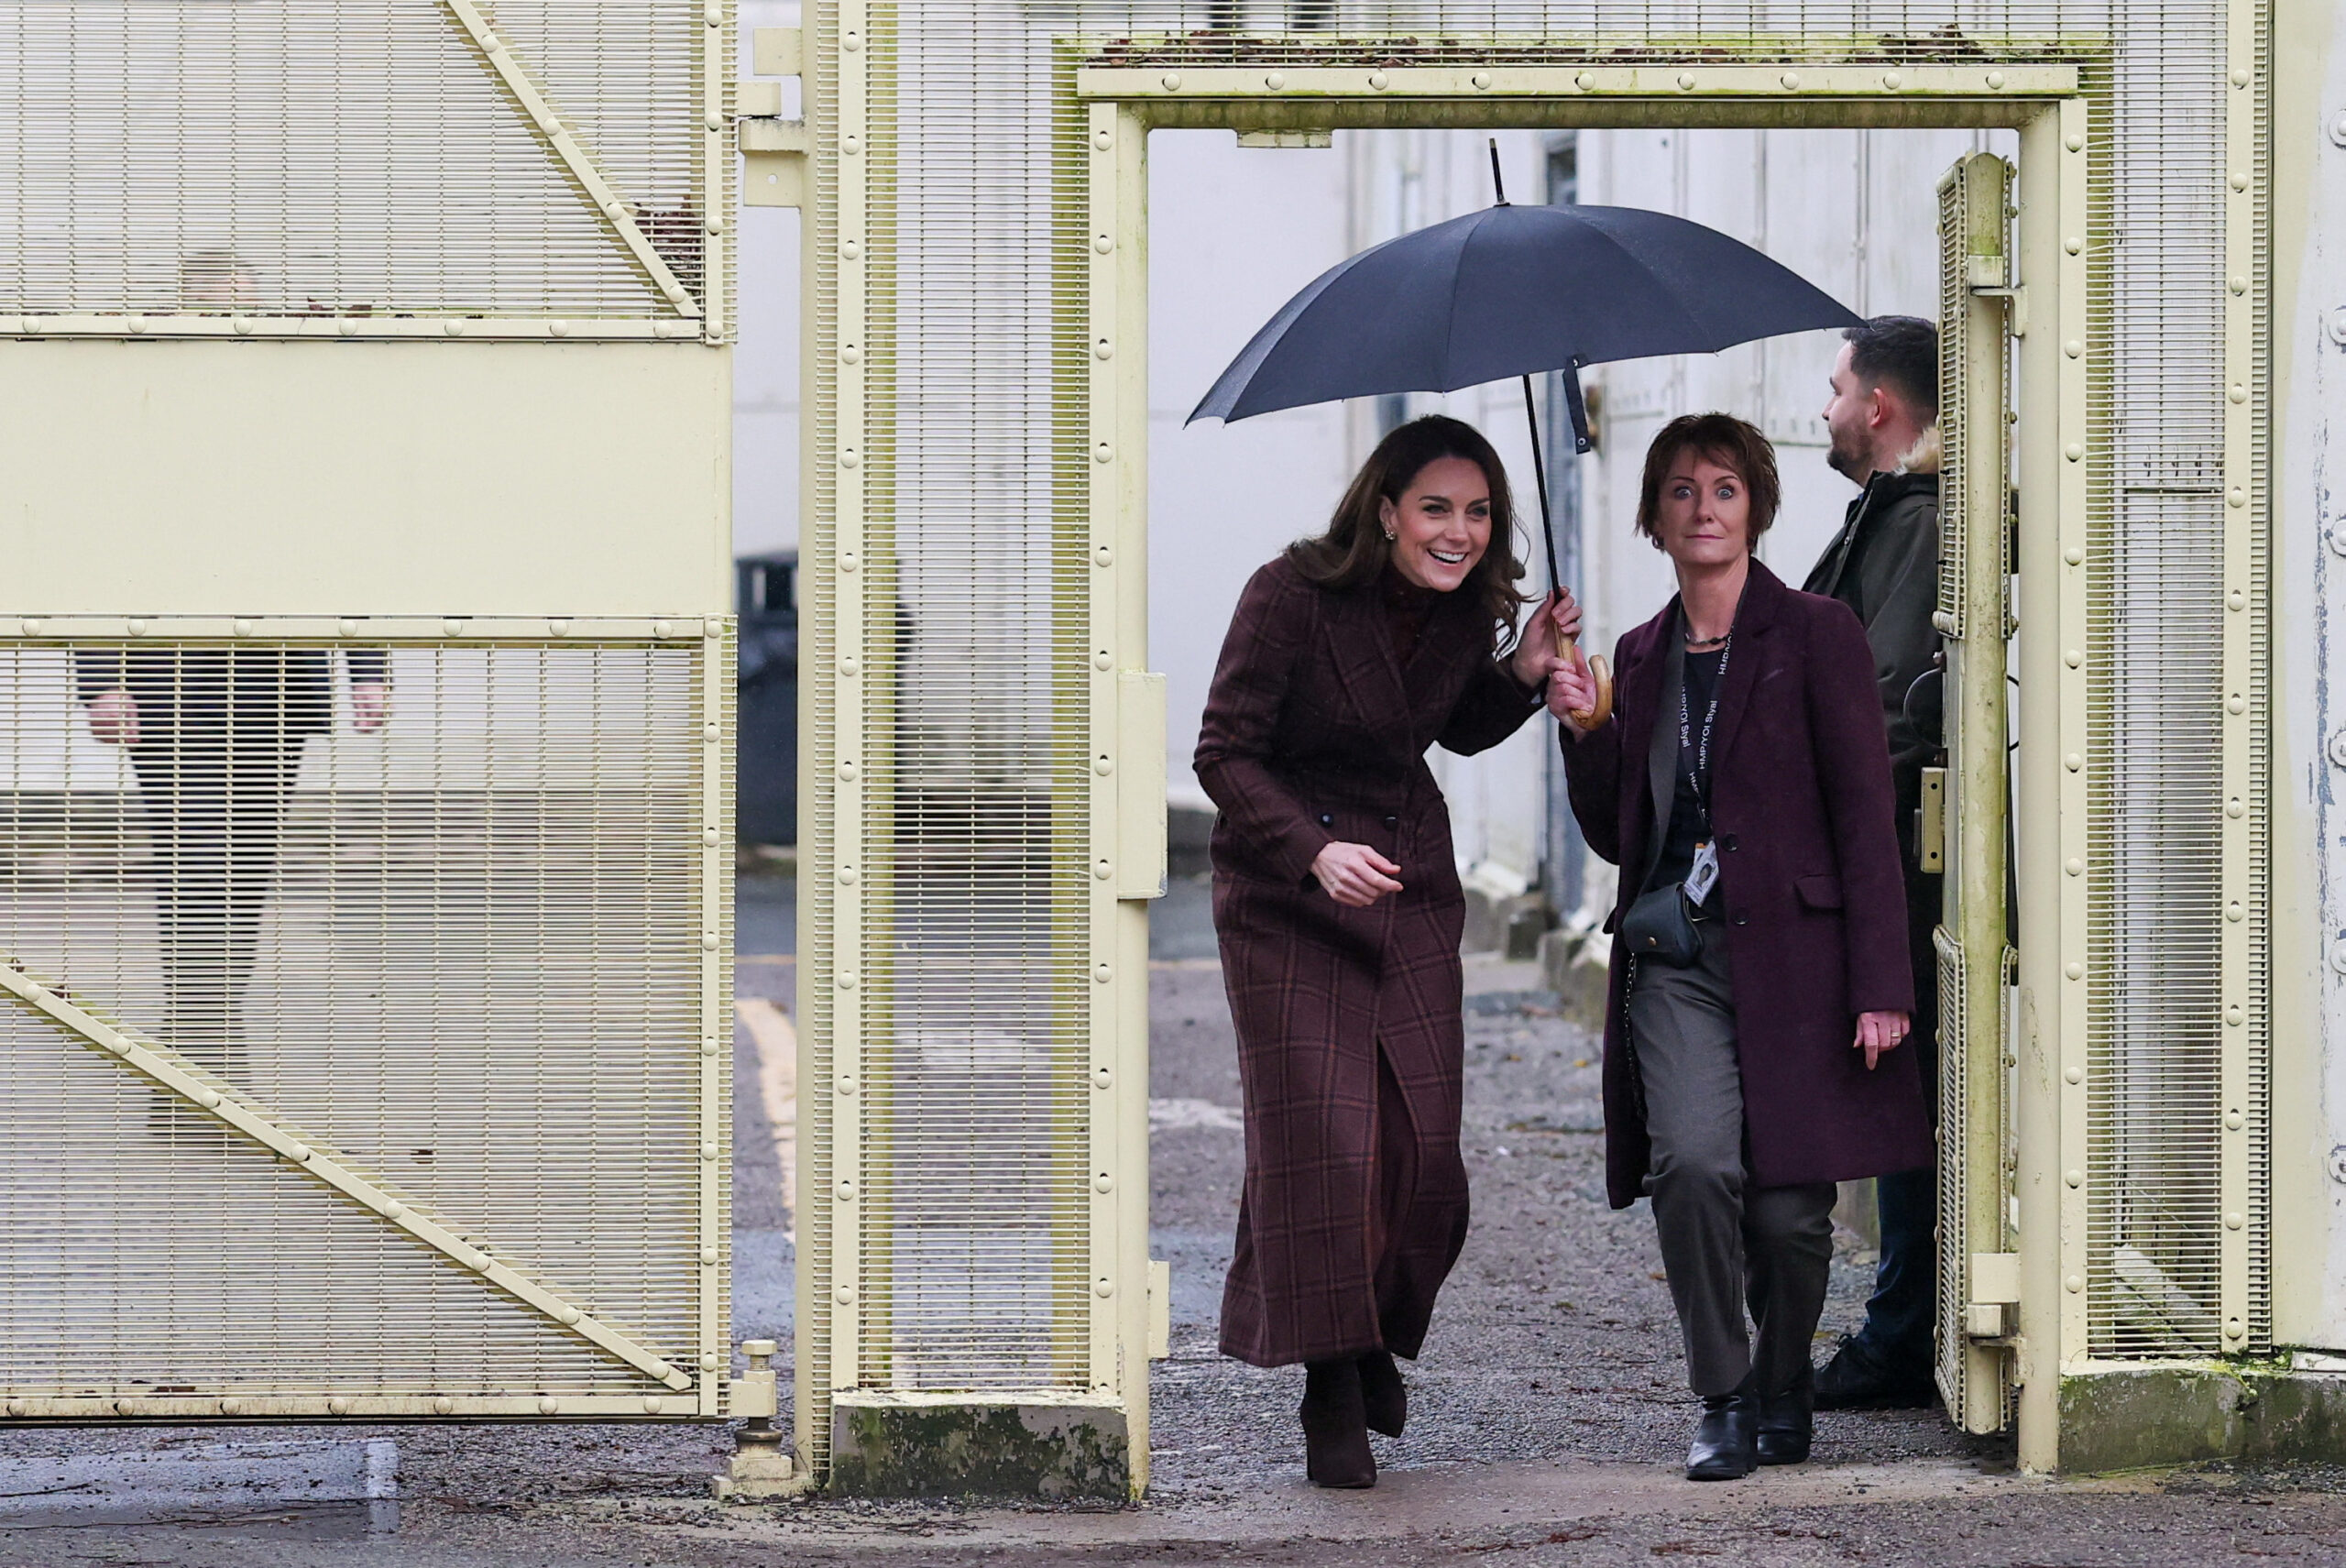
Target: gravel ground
column 1548, row 1417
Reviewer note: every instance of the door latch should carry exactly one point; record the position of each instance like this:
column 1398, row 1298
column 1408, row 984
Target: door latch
column 1930, row 822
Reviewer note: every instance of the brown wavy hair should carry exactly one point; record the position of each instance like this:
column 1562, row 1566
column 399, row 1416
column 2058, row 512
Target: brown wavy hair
column 1354, row 552
column 1727, row 440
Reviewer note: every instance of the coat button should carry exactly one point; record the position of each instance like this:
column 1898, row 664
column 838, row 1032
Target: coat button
column 1326, row 820
column 1741, row 920
column 1392, row 822
column 1727, row 842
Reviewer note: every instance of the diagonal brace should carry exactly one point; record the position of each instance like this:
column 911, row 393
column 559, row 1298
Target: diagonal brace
column 538, row 110
column 170, row 1071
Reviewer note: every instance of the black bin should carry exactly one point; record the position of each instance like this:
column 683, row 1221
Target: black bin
column 765, row 596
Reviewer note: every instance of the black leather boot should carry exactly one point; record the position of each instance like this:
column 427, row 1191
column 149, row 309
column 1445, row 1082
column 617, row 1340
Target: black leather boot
column 1725, row 1443
column 1336, row 1426
column 1787, row 1421
column 1383, row 1394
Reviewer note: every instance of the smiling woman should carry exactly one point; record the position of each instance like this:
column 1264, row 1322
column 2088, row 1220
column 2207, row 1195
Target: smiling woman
column 1338, row 908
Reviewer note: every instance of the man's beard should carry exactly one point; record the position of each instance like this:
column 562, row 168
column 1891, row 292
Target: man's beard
column 1855, row 466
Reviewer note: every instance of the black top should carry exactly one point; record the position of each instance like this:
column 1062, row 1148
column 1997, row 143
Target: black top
column 1685, row 806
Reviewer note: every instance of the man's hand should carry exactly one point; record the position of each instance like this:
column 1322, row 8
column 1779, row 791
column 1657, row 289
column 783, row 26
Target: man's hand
column 370, row 705
column 1355, row 875
column 113, row 718
column 1879, row 1032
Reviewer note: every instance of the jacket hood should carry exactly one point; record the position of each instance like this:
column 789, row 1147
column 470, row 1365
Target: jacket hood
column 1925, row 455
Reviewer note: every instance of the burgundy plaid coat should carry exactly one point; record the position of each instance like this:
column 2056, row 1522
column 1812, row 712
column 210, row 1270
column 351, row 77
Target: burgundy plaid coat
column 1816, row 902
column 1356, row 1198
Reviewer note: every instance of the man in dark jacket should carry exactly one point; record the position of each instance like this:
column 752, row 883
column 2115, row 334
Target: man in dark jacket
column 1884, row 565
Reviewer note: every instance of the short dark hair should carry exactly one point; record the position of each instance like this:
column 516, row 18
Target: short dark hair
column 1353, row 551
column 1726, row 441
column 1902, row 354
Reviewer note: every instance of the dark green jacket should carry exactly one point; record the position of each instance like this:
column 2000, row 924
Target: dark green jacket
column 1884, row 565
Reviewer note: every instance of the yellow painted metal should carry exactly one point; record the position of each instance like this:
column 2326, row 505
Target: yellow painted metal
column 501, row 58
column 1974, row 587
column 580, row 479
column 1678, row 79
column 214, row 1097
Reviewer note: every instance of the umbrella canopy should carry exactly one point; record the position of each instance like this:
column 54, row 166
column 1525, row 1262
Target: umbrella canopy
column 1511, row 290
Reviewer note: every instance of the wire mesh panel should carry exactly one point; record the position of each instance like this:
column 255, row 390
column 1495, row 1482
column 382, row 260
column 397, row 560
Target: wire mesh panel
column 347, row 168
column 433, row 912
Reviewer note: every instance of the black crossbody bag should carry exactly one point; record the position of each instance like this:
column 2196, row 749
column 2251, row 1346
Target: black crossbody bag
column 1659, row 923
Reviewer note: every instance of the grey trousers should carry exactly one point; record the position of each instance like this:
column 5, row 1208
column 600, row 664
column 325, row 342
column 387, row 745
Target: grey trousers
column 1724, row 1243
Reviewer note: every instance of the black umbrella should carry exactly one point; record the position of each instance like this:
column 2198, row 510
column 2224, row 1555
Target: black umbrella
column 1511, row 290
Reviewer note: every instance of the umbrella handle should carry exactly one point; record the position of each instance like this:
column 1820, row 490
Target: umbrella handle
column 1590, row 717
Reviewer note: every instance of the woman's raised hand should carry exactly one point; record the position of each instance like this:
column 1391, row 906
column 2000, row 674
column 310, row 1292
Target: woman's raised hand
column 1354, row 874
column 1878, row 1034
column 1535, row 655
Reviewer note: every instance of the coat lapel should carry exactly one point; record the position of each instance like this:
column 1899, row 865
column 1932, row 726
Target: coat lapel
column 1763, row 596
column 1365, row 662
column 1637, row 703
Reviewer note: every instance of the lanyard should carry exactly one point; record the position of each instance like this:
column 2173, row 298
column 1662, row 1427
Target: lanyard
column 1702, row 748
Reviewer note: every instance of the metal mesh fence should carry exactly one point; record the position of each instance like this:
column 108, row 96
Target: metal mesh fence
column 460, row 948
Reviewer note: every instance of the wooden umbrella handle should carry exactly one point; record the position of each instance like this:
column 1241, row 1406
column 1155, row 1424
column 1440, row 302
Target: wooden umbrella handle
column 1590, row 717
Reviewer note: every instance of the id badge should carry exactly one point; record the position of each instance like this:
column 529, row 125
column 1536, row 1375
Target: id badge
column 1704, row 876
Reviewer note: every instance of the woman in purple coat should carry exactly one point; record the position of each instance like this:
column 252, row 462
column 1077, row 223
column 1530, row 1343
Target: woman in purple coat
column 1336, row 899
column 1761, row 982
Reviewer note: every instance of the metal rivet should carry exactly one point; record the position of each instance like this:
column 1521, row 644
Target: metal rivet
column 2234, row 1016
column 1686, row 82
column 2073, row 658
column 1102, row 973
column 2337, row 748
column 394, row 1211
column 1103, row 140
column 849, row 560
column 1102, row 242
column 1102, row 1078
column 548, row 1405
column 1378, row 81
column 2235, row 1329
column 2073, row 762
column 2074, row 1284
column 1102, row 660
column 2237, row 284
column 2074, row 1075
column 244, row 628
column 847, row 876
column 851, row 41
column 207, row 1099
column 847, row 1191
column 1170, row 82
column 1103, row 869
column 455, row 329
column 18, row 1407
column 2074, row 866
column 2236, row 497
column 709, row 1151
column 337, row 1405
column 653, row 1404
column 35, row 625
column 2074, row 970
column 2074, row 142
column 2238, row 182
column 481, row 1262
column 708, row 1048
column 668, row 629
column 844, row 980
column 2074, row 452
column 1104, row 1182
column 2236, row 704
column 2240, row 78
column 1995, row 81
column 2073, row 245
column 844, row 1294
column 2234, row 809
column 850, row 458
column 850, row 666
column 1791, row 78
column 1103, row 452
column 2237, row 394
column 1103, row 766
column 848, row 773
column 1103, row 1287
column 227, row 1406
column 708, row 1257
column 2235, row 911
column 2074, row 556
column 711, row 732
column 2073, row 349
column 1102, row 556
column 2074, row 1177
column 137, row 323
column 2234, row 1121
column 708, row 1363
column 1584, row 80
column 558, row 628
column 1104, row 349
column 1482, row 80
column 1275, row 81
column 1892, row 80
column 851, row 250
column 850, row 144
column 2233, row 1220
column 298, row 1153
column 846, row 1083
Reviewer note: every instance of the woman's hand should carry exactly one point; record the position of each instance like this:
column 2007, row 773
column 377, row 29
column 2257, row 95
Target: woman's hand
column 1535, row 651
column 1878, row 1032
column 1354, row 874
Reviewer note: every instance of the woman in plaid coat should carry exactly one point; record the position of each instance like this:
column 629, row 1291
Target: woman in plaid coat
column 1337, row 902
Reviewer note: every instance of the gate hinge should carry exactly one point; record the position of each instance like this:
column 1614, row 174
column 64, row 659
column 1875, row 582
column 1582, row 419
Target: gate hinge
column 1930, row 822
column 773, row 150
column 2015, row 300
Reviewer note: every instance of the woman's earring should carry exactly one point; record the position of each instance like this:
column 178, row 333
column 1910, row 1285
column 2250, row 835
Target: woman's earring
column 1390, row 536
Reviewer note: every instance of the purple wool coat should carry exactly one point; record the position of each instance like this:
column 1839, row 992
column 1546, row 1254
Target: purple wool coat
column 1350, row 1040
column 1815, row 903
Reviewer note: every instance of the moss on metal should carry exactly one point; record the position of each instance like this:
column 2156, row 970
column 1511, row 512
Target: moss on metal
column 890, row 1450
column 2144, row 1418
